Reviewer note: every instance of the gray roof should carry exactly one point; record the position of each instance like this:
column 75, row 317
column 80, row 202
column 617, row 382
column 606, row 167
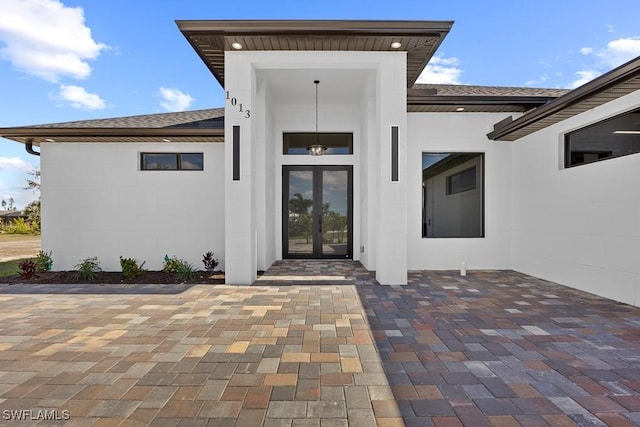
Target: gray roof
column 161, row 120
column 471, row 90
column 184, row 126
column 208, row 125
column 11, row 214
column 441, row 98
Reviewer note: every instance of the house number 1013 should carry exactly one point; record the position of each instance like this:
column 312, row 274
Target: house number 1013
column 234, row 102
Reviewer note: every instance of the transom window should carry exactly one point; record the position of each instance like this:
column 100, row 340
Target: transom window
column 335, row 143
column 452, row 195
column 615, row 137
column 171, row 161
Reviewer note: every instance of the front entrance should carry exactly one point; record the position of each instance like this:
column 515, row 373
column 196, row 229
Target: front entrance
column 317, row 212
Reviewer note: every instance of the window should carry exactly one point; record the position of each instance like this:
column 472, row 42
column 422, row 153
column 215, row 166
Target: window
column 171, row 161
column 336, row 143
column 615, row 137
column 461, row 181
column 452, row 195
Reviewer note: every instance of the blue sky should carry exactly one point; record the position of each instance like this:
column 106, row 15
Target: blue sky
column 63, row 60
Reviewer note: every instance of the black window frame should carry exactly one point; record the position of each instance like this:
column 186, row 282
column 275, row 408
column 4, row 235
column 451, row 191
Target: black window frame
column 480, row 181
column 321, row 138
column 179, row 161
column 576, row 157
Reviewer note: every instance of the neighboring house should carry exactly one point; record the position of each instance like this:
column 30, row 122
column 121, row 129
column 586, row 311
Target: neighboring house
column 412, row 177
column 7, row 217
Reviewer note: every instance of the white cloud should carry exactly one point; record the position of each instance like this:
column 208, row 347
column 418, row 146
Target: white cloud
column 604, row 59
column 441, row 70
column 543, row 78
column 21, row 198
column 584, row 76
column 13, row 172
column 620, row 51
column 14, row 164
column 174, row 99
column 78, row 97
column 47, row 39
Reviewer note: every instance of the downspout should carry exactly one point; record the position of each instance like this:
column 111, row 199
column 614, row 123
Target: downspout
column 28, row 145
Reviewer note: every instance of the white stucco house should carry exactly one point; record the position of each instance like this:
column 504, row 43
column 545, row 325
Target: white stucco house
column 405, row 176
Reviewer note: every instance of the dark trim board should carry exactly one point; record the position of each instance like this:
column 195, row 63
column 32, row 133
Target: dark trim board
column 316, row 232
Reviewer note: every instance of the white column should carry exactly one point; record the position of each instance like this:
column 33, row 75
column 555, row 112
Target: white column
column 240, row 229
column 391, row 254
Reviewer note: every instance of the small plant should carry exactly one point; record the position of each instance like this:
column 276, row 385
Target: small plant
column 171, row 265
column 28, row 269
column 88, row 268
column 186, row 272
column 130, row 268
column 210, row 262
column 43, row 262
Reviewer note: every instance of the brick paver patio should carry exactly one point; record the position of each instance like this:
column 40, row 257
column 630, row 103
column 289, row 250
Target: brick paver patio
column 491, row 348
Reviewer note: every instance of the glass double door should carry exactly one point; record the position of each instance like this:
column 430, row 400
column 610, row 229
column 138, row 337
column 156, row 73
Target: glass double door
column 317, row 204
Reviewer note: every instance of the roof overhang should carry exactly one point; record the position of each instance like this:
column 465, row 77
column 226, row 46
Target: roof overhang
column 38, row 135
column 211, row 39
column 425, row 100
column 612, row 85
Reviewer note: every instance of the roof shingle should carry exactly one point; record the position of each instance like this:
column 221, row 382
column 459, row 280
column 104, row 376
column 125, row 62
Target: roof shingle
column 160, row 120
column 472, row 90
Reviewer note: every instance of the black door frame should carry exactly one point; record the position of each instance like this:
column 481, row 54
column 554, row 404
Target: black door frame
column 317, row 211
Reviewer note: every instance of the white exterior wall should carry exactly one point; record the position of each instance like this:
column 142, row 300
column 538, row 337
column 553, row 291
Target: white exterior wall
column 460, row 132
column 97, row 202
column 278, row 89
column 578, row 226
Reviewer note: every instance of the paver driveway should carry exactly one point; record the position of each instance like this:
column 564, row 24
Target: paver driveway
column 491, row 348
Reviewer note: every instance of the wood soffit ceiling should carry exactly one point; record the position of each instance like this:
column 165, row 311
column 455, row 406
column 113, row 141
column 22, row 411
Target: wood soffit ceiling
column 420, row 39
column 124, row 135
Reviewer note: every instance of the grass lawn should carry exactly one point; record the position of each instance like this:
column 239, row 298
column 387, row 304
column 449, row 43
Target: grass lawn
column 7, row 268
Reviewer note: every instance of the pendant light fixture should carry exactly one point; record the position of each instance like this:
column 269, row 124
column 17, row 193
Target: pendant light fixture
column 316, row 149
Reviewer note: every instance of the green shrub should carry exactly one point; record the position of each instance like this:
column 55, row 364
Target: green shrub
column 43, row 261
column 27, row 269
column 210, row 262
column 130, row 268
column 88, row 268
column 20, row 226
column 181, row 268
column 186, row 272
column 171, row 265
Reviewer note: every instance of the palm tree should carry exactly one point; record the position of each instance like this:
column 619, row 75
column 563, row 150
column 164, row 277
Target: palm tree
column 299, row 206
column 4, row 204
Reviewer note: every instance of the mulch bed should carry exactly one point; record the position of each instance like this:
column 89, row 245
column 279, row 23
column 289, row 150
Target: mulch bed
column 148, row 277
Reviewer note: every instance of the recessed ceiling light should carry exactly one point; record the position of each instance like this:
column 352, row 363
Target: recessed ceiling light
column 236, row 45
column 460, row 109
column 50, row 140
column 396, row 45
column 166, row 140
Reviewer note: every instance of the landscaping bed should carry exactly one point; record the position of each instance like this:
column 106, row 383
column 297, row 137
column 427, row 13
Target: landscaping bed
column 147, row 277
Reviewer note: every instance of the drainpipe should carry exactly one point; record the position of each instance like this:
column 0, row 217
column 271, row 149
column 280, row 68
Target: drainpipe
column 28, row 145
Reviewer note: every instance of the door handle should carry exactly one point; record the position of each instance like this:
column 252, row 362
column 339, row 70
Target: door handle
column 320, row 225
